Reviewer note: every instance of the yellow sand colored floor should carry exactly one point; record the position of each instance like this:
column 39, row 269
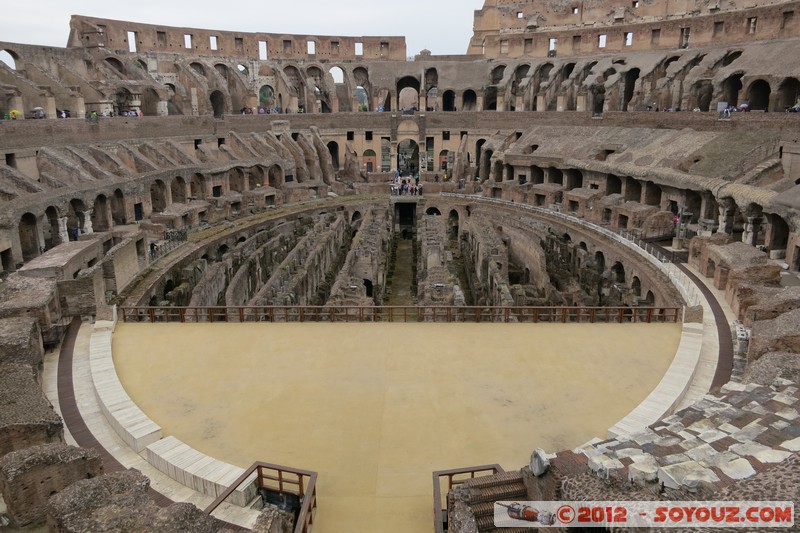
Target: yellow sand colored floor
column 375, row 408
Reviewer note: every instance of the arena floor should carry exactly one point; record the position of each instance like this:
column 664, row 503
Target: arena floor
column 375, row 408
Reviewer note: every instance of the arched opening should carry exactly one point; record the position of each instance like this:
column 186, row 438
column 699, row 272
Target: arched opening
column 221, row 251
column 574, row 178
column 778, row 237
column 598, row 100
column 178, row 190
column 433, row 211
column 222, row 70
column 652, row 194
column 452, row 223
column 123, row 101
column 217, row 103
column 613, row 185
column 236, row 180
column 9, row 58
column 618, row 273
column 730, row 57
column 485, row 169
column 703, row 93
column 362, row 98
column 555, row 176
column 115, row 64
column 158, row 196
column 649, row 299
column 333, row 149
column 173, row 107
column 356, row 217
column 29, row 236
column 636, row 286
column 633, row 190
column 537, row 175
column 52, row 235
column 630, row 84
column 479, row 151
column 600, row 262
column 198, row 68
column 758, row 95
column 75, row 218
column 469, row 101
column 490, row 99
column 266, row 98
column 149, row 102
column 368, row 288
column 275, row 176
column 337, row 74
column 100, row 214
column 730, row 89
column 408, row 92
column 448, row 101
column 118, row 208
column 198, row 187
column 788, row 94
column 369, row 160
column 408, row 157
column 497, row 74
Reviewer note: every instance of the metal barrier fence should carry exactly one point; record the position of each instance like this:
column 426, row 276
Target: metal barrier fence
column 444, row 314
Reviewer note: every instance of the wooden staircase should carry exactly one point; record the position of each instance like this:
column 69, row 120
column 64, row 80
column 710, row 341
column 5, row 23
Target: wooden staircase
column 484, row 491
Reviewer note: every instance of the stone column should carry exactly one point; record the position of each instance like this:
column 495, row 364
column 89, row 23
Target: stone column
column 727, row 210
column 87, row 222
column 540, row 105
column 752, row 229
column 63, row 233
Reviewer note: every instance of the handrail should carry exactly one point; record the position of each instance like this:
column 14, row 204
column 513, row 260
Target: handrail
column 441, row 314
column 438, row 511
column 306, row 490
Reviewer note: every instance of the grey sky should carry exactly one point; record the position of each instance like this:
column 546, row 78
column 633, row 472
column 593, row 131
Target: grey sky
column 441, row 26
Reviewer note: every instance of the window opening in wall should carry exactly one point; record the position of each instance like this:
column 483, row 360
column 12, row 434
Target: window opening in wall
column 213, row 42
column 359, row 49
column 576, row 43
column 187, row 41
column 787, row 18
column 351, row 135
column 11, row 160
column 594, row 186
column 635, row 4
column 719, row 27
column 335, row 48
column 628, row 38
column 287, row 46
column 367, row 135
column 575, row 10
column 161, row 37
column 655, row 36
column 197, row 143
column 262, row 50
column 601, row 41
column 311, row 48
column 138, row 211
column 527, row 46
column 238, row 43
column 463, row 134
column 131, row 41
column 684, row 42
column 551, row 47
column 504, row 46
column 445, row 135
column 384, row 48
column 220, row 141
column 216, row 191
column 751, row 24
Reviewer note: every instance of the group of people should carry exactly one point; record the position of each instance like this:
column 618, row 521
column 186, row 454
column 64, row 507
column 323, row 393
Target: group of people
column 406, row 185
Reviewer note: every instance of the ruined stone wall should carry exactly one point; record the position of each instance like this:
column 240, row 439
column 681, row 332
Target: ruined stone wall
column 22, row 342
column 436, row 283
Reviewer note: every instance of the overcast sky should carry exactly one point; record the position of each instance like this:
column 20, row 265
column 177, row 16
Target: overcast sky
column 441, row 26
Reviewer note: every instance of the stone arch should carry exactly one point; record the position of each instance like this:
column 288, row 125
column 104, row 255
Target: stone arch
column 158, row 196
column 788, row 94
column 613, row 184
column 652, row 194
column 356, row 217
column 337, row 73
column 452, row 222
column 275, row 176
column 730, row 57
column 150, row 101
column 633, row 189
column 266, row 97
column 636, row 286
column 479, row 152
column 9, row 57
column 198, row 68
column 758, row 95
column 484, row 168
column 618, row 273
column 408, row 156
column 115, row 64
column 630, row 84
column 197, row 187
column 408, row 88
column 469, row 101
column 731, row 87
column 490, row 98
column 574, row 178
column 118, row 213
column 333, row 149
column 123, row 100
column 703, row 92
column 29, row 236
column 448, row 100
column 777, row 237
column 537, row 175
column 173, row 101
column 218, row 103
column 434, row 211
column 555, row 175
column 497, row 74
column 444, row 156
column 51, row 232
column 178, row 190
column 649, row 299
column 100, row 210
column 223, row 70
column 236, row 179
column 369, row 160
column 600, row 261
column 255, row 177
column 76, row 215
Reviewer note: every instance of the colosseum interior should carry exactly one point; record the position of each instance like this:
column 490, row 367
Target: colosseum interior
column 386, row 247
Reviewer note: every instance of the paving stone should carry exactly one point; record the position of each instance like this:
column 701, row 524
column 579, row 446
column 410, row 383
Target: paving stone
column 712, row 435
column 780, row 425
column 785, row 399
column 722, row 445
column 688, row 444
column 676, row 427
column 771, row 437
column 788, row 413
column 792, row 445
column 750, row 448
column 771, row 456
column 673, row 459
column 728, row 428
column 673, row 476
column 732, row 386
column 756, row 407
column 738, row 469
column 643, row 471
column 701, row 426
column 668, row 441
column 721, row 458
column 644, row 437
column 749, row 433
column 701, row 453
column 627, row 452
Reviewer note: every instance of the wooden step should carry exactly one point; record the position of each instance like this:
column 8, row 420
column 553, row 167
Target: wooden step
column 497, row 493
column 501, row 478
